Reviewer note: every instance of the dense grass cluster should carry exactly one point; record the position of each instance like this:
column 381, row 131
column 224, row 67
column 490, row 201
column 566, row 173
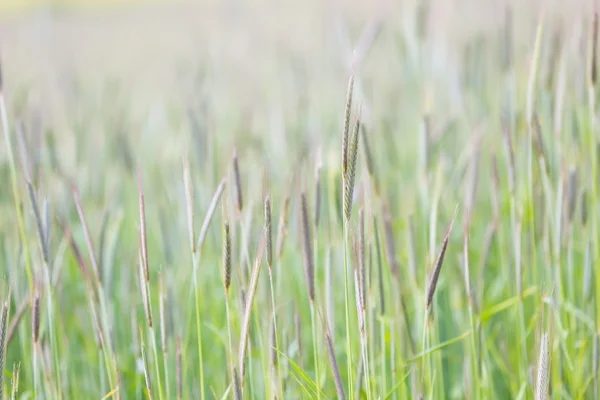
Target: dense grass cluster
column 456, row 259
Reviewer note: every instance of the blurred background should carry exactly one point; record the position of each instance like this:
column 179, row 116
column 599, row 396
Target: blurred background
column 264, row 69
column 248, row 50
column 103, row 88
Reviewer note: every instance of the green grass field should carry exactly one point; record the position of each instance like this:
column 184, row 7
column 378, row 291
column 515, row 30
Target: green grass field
column 422, row 225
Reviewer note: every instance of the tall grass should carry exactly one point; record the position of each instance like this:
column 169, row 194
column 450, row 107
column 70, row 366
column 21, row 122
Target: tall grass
column 499, row 137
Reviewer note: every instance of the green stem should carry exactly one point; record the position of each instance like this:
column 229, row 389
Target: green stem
column 424, row 369
column 347, row 307
column 53, row 343
column 166, row 367
column 156, row 364
column 279, row 386
column 195, row 262
column 312, row 317
column 15, row 189
column 383, row 375
column 230, row 348
column 315, row 351
column 365, row 356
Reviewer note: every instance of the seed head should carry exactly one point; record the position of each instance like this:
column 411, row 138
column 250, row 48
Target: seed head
column 346, row 131
column 226, row 256
column 307, row 247
column 351, row 171
column 35, row 318
column 238, row 182
column 438, row 265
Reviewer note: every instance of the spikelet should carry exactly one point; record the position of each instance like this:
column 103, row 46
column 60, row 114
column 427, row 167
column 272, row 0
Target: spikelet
column 238, row 182
column 226, row 256
column 309, row 267
column 346, row 130
column 350, row 175
column 438, row 265
column 35, row 318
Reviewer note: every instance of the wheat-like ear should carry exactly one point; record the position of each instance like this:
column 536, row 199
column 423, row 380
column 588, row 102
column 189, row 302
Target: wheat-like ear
column 35, row 317
column 226, row 256
column 438, row 265
column 309, row 266
column 347, row 113
column 44, row 245
column 238, row 182
column 351, row 171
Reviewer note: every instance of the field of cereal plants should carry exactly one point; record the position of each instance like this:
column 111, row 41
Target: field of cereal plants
column 406, row 212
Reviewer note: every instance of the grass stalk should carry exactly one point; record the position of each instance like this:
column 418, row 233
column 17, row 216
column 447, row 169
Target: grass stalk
column 15, row 188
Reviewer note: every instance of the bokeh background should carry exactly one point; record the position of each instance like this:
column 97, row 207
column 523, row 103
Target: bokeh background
column 248, row 50
column 105, row 87
column 152, row 78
